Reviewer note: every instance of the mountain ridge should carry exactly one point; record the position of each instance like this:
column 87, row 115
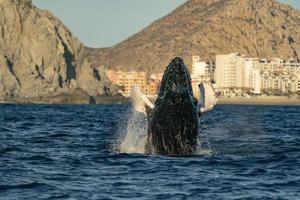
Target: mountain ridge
column 256, row 28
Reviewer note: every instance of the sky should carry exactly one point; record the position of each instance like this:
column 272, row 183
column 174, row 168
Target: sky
column 104, row 23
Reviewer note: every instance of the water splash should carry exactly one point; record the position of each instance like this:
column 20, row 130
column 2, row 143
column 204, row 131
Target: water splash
column 133, row 136
column 204, row 146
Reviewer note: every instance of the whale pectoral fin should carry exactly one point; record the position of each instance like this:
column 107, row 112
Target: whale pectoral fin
column 139, row 101
column 207, row 99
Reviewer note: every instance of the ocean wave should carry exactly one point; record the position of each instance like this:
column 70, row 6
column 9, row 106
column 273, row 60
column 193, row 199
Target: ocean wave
column 30, row 185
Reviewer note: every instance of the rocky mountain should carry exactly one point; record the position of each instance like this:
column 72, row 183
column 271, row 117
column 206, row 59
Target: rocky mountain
column 40, row 60
column 257, row 28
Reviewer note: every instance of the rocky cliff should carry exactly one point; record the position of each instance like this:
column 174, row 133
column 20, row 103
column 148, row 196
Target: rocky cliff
column 40, row 60
column 258, row 28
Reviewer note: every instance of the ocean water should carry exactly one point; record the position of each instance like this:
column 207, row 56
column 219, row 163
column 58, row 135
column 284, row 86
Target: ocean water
column 68, row 152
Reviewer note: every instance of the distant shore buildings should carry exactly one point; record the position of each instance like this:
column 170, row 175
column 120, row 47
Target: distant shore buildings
column 233, row 75
column 148, row 84
column 201, row 72
column 237, row 75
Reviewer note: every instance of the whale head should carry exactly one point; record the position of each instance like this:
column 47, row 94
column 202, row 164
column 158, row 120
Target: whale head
column 176, row 87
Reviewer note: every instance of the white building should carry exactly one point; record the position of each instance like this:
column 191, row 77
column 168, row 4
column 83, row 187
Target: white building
column 271, row 83
column 237, row 75
column 234, row 71
column 229, row 71
column 256, row 82
column 250, row 65
column 280, row 76
column 198, row 67
column 298, row 85
column 201, row 72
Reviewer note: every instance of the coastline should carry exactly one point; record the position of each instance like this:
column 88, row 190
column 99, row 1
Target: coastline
column 267, row 100
column 64, row 99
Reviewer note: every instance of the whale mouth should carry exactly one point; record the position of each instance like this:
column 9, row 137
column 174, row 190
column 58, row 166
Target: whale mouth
column 176, row 82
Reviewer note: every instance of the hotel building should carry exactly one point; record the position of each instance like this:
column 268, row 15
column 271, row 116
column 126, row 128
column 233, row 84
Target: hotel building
column 233, row 74
column 201, row 72
column 229, row 71
column 253, row 75
column 126, row 80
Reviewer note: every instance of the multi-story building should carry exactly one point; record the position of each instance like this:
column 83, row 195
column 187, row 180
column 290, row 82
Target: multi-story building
column 198, row 66
column 280, row 76
column 202, row 68
column 271, row 83
column 233, row 74
column 126, row 80
column 249, row 66
column 253, row 75
column 201, row 72
column 210, row 70
column 298, row 85
column 152, row 87
column 255, row 82
column 229, row 71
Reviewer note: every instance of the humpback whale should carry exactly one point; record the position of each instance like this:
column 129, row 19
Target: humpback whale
column 172, row 127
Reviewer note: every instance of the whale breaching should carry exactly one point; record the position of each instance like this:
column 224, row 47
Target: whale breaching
column 172, row 127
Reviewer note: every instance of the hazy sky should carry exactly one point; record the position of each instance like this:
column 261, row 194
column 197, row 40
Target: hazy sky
column 103, row 23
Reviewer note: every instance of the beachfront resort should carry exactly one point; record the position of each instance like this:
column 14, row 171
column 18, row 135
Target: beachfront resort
column 232, row 75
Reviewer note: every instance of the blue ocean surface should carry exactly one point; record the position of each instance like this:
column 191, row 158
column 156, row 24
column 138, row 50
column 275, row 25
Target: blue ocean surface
column 65, row 152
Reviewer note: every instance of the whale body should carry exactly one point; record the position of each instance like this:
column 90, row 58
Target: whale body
column 173, row 120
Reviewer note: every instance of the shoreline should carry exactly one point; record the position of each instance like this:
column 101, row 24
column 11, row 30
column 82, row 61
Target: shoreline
column 268, row 100
column 68, row 100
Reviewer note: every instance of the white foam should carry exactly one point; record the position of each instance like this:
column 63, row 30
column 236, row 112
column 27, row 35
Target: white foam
column 134, row 138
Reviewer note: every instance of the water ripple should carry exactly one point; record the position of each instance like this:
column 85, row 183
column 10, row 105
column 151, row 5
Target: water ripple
column 64, row 152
